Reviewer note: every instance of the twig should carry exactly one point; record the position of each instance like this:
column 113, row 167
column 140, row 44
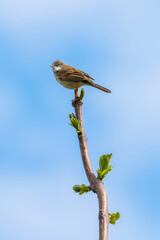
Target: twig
column 96, row 184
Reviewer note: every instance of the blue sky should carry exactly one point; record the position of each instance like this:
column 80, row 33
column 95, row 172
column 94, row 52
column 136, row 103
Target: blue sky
column 117, row 43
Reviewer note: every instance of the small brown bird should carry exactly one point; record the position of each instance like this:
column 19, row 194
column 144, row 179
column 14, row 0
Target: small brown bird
column 73, row 78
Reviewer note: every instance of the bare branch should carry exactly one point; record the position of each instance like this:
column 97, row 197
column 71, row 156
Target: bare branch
column 96, row 184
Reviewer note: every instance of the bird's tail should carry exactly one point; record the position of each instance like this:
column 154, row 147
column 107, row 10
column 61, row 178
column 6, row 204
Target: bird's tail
column 100, row 87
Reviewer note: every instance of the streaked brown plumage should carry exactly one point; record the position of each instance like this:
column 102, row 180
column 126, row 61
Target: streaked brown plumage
column 73, row 78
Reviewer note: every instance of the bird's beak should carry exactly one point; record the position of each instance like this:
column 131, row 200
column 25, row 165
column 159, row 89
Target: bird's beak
column 51, row 65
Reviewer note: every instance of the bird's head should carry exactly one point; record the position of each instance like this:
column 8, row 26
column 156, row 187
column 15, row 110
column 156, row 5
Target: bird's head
column 57, row 65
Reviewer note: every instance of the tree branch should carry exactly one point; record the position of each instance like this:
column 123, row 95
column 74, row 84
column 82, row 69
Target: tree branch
column 96, row 184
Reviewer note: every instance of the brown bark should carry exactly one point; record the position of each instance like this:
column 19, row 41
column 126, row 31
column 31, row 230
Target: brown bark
column 96, row 184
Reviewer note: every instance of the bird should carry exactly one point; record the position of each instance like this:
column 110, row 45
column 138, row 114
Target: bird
column 72, row 78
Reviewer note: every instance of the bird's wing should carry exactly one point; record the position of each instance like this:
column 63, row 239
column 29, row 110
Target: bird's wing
column 87, row 75
column 73, row 74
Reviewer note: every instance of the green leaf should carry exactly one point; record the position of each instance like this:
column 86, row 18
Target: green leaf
column 82, row 93
column 77, row 188
column 81, row 189
column 72, row 116
column 99, row 174
column 117, row 215
column 104, row 161
column 104, row 167
column 75, row 123
column 114, row 217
